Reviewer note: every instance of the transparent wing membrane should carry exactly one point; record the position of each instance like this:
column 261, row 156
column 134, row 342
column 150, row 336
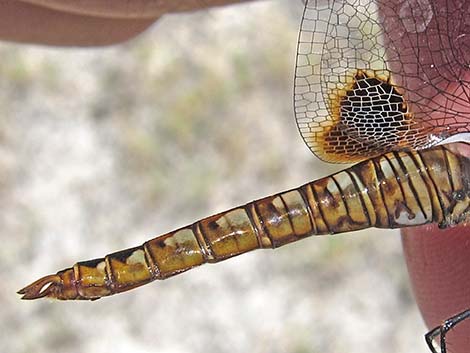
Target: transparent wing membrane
column 372, row 77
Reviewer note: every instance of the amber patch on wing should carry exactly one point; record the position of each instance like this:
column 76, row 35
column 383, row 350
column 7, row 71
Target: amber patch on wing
column 368, row 117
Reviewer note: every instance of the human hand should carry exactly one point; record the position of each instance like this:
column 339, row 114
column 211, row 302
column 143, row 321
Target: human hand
column 85, row 22
column 439, row 267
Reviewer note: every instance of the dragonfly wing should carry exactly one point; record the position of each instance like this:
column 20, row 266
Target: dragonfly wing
column 350, row 98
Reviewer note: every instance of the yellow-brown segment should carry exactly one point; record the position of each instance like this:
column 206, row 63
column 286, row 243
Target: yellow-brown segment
column 397, row 189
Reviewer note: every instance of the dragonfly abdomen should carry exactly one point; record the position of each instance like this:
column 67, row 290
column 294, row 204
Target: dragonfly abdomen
column 402, row 189
column 397, row 189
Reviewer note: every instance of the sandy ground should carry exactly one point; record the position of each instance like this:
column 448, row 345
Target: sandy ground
column 101, row 149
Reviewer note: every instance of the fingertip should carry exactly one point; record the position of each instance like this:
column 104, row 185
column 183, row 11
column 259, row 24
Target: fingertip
column 439, row 267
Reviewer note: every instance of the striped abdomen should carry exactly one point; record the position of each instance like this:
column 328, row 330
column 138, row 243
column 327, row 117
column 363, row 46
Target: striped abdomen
column 398, row 189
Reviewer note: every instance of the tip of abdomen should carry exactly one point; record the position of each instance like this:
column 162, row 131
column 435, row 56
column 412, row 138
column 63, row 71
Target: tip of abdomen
column 47, row 286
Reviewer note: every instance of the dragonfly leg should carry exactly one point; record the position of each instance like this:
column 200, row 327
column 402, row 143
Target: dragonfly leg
column 441, row 331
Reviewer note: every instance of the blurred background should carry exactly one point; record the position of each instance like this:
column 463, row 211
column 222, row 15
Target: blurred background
column 102, row 149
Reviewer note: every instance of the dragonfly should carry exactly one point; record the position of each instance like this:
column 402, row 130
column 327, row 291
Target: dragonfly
column 375, row 85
